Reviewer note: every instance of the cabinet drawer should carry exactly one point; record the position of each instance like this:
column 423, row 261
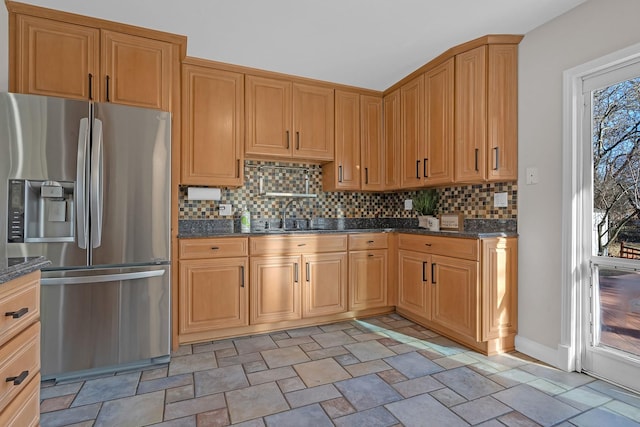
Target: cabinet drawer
column 448, row 246
column 223, row 247
column 24, row 410
column 19, row 359
column 308, row 243
column 20, row 296
column 364, row 241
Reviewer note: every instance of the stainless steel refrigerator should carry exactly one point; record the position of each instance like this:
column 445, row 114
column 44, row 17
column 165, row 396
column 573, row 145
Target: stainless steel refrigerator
column 87, row 185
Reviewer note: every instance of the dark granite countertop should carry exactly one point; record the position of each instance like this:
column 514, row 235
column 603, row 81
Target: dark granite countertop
column 12, row 268
column 473, row 229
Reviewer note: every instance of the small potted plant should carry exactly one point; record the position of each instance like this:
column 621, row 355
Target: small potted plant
column 425, row 204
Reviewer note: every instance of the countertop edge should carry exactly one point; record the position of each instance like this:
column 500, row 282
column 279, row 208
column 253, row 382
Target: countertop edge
column 23, row 268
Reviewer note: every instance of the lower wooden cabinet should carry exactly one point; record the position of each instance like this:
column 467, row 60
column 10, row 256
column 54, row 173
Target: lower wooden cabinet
column 213, row 287
column 470, row 296
column 368, row 279
column 298, row 286
column 20, row 351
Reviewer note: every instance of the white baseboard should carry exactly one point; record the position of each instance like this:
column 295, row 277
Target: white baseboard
column 553, row 357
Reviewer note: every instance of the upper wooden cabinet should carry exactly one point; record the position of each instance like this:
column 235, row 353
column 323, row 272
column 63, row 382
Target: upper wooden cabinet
column 288, row 120
column 213, row 126
column 344, row 172
column 371, row 143
column 57, row 58
column 392, row 140
column 486, row 134
column 412, row 133
column 136, row 70
column 438, row 116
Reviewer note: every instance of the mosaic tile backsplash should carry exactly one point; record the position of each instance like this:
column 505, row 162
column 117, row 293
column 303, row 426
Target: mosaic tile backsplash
column 473, row 201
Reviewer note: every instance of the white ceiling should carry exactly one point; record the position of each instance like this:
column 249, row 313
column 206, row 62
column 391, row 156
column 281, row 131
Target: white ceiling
column 364, row 43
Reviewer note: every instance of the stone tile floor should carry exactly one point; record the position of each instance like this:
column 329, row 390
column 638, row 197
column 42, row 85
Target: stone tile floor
column 383, row 371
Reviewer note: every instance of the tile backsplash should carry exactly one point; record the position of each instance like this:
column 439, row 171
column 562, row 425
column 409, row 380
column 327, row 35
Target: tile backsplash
column 473, row 201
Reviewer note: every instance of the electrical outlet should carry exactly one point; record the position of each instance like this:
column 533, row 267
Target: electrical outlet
column 499, row 200
column 408, row 205
column 532, row 176
column 225, row 209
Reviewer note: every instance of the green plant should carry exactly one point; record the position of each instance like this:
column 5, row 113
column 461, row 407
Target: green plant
column 425, row 202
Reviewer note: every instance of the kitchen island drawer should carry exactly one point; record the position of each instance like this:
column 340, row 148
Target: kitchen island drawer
column 19, row 363
column 222, row 247
column 20, row 303
column 365, row 241
column 308, row 243
column 448, row 246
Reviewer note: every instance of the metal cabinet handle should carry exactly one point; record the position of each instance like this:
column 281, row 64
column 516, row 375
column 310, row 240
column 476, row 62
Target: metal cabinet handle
column 237, row 168
column 424, row 264
column 369, row 241
column 308, row 272
column 496, row 153
column 242, row 276
column 287, row 140
column 366, row 175
column 295, row 272
column 107, row 89
column 17, row 314
column 214, row 248
column 433, row 274
column 297, row 140
column 90, row 87
column 424, row 168
column 340, row 173
column 428, row 244
column 369, row 255
column 476, row 154
column 302, row 244
column 418, row 169
column 19, row 379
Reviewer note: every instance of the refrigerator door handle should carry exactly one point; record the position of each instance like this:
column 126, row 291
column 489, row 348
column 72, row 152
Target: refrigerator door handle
column 97, row 180
column 81, row 183
column 101, row 278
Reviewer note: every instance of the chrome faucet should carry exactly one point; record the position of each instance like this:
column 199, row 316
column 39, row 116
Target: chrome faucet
column 284, row 212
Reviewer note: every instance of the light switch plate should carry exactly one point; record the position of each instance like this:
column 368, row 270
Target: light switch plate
column 500, row 200
column 225, row 209
column 408, row 205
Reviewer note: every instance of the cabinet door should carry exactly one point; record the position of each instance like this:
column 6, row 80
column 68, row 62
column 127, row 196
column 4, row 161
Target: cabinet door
column 412, row 127
column 439, row 123
column 471, row 115
column 392, row 141
column 455, row 294
column 371, row 141
column 56, row 58
column 268, row 117
column 347, row 133
column 313, row 122
column 325, row 284
column 499, row 287
column 213, row 126
column 414, row 292
column 367, row 279
column 275, row 289
column 213, row 294
column 136, row 70
column 502, row 113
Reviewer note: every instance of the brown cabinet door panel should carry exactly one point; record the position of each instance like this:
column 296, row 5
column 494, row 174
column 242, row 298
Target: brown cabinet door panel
column 392, row 141
column 414, row 292
column 56, row 58
column 347, row 140
column 268, row 117
column 275, row 289
column 412, row 130
column 136, row 71
column 213, row 126
column 325, row 284
column 313, row 130
column 371, row 140
column 368, row 279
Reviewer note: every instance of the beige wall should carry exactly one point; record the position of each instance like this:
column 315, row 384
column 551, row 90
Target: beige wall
column 592, row 30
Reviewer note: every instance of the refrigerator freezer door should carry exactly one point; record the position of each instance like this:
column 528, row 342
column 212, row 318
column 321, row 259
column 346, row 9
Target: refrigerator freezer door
column 94, row 320
column 39, row 141
column 133, row 209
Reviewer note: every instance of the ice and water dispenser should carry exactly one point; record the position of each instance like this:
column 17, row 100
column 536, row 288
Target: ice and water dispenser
column 41, row 211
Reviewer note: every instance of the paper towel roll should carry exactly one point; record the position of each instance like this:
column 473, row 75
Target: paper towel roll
column 200, row 193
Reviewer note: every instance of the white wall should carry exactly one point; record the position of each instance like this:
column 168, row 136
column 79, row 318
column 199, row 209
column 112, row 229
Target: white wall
column 589, row 31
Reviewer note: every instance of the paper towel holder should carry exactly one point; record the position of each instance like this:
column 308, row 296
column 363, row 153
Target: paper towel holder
column 204, row 193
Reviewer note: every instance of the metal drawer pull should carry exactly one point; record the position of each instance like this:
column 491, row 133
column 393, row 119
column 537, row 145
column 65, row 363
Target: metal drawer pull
column 497, row 156
column 17, row 314
column 242, row 276
column 476, row 153
column 302, row 244
column 369, row 255
column 295, row 273
column 418, row 169
column 369, row 241
column 433, row 275
column 19, row 379
column 424, row 167
column 427, row 244
column 215, row 248
column 424, row 264
column 308, row 272
column 287, row 140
